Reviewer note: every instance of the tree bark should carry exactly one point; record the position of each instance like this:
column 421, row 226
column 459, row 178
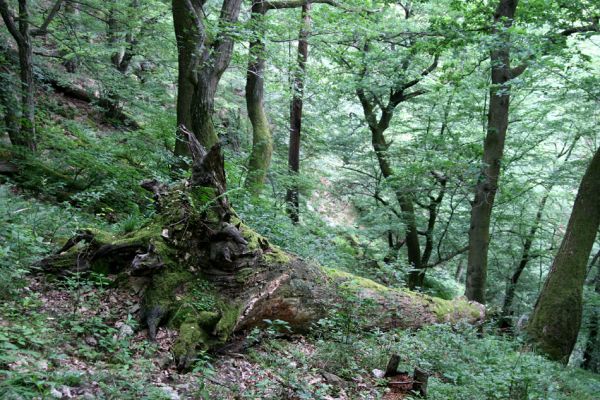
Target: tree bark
column 262, row 142
column 26, row 135
column 493, row 149
column 10, row 105
column 554, row 324
column 292, row 195
column 201, row 65
column 591, row 354
column 186, row 37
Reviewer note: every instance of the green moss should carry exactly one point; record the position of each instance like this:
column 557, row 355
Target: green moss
column 208, row 319
column 243, row 275
column 191, row 339
column 444, row 310
column 277, row 256
column 164, row 286
column 229, row 317
column 143, row 235
column 352, row 282
column 253, row 238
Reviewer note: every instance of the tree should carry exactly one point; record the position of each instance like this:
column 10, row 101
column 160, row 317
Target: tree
column 25, row 135
column 497, row 125
column 554, row 324
column 292, row 195
column 378, row 124
column 262, row 142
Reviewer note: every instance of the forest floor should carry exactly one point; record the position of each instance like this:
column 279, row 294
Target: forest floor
column 78, row 338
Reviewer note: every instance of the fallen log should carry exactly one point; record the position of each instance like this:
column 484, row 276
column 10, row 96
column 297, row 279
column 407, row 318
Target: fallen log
column 209, row 275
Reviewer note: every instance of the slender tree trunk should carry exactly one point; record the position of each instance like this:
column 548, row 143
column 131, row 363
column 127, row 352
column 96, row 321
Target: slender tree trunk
column 121, row 57
column 72, row 12
column 10, row 104
column 262, row 142
column 554, row 324
column 27, row 85
column 485, row 191
column 509, row 297
column 292, row 196
column 186, row 36
column 405, row 199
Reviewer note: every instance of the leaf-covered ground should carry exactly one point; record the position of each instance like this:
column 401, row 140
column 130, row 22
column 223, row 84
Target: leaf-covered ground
column 78, row 339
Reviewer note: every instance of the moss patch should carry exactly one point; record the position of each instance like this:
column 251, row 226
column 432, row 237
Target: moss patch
column 191, row 339
column 352, row 282
column 229, row 317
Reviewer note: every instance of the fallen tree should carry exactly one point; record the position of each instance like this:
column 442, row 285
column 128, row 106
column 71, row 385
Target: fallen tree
column 209, row 275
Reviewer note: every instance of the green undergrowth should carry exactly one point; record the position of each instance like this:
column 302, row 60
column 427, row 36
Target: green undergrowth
column 30, row 229
column 463, row 364
column 98, row 171
column 43, row 350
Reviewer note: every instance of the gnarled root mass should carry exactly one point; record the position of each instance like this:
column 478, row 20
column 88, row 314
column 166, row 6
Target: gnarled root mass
column 209, row 275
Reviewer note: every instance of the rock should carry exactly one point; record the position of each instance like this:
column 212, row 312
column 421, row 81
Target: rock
column 377, row 373
column 165, row 361
column 333, row 379
column 66, row 391
column 42, row 365
column 170, row 392
column 125, row 331
column 90, row 341
column 56, row 393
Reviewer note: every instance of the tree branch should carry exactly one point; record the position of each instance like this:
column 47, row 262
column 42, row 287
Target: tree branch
column 280, row 4
column 9, row 21
column 449, row 257
column 593, row 27
column 43, row 29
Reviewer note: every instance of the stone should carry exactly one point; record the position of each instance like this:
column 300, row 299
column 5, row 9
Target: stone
column 90, row 341
column 377, row 373
column 125, row 331
column 170, row 392
column 333, row 378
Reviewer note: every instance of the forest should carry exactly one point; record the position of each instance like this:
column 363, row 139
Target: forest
column 300, row 199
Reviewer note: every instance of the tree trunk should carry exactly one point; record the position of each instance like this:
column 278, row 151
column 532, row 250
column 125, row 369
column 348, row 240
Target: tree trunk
column 27, row 133
column 209, row 275
column 72, row 13
column 507, row 311
column 20, row 33
column 292, row 196
column 487, row 185
column 416, row 276
column 554, row 324
column 262, row 142
column 10, row 105
column 591, row 354
column 186, row 37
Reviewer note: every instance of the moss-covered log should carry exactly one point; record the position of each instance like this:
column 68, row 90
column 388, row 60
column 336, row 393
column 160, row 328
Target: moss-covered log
column 209, row 275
